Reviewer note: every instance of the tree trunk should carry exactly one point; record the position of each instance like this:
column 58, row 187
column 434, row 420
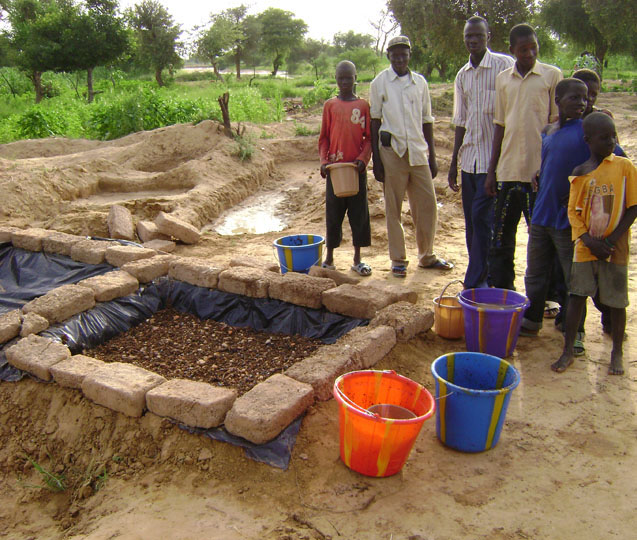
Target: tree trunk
column 600, row 53
column 276, row 65
column 223, row 103
column 158, row 78
column 215, row 68
column 237, row 62
column 89, row 84
column 36, row 78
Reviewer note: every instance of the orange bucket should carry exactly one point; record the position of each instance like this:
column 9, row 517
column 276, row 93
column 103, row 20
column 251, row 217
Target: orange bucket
column 344, row 179
column 370, row 443
column 448, row 318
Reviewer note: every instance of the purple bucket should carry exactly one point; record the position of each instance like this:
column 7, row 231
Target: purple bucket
column 492, row 319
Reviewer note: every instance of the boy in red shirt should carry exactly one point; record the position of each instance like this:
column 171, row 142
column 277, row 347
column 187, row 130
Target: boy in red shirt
column 345, row 138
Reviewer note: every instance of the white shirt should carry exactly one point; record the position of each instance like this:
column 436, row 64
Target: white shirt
column 403, row 105
column 473, row 109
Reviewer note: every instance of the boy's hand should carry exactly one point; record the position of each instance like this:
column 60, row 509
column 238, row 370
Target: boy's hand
column 490, row 187
column 324, row 170
column 379, row 170
column 360, row 165
column 598, row 247
column 433, row 166
column 452, row 177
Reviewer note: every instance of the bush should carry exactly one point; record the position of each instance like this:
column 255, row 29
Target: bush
column 38, row 123
column 320, row 93
column 245, row 147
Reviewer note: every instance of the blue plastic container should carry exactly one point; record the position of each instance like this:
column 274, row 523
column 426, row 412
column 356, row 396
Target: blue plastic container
column 492, row 319
column 299, row 252
column 473, row 392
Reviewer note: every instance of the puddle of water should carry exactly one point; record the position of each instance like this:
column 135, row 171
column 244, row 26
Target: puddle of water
column 257, row 214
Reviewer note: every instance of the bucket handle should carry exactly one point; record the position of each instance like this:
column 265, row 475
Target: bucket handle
column 356, row 405
column 506, row 307
column 445, row 288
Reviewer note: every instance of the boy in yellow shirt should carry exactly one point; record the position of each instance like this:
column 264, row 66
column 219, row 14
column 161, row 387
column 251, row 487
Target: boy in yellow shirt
column 601, row 208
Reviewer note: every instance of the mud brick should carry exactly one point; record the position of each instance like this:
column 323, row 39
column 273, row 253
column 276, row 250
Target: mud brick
column 72, row 371
column 10, row 324
column 254, row 262
column 299, row 289
column 90, row 251
column 321, row 368
column 6, row 233
column 406, row 319
column 121, row 387
column 29, row 239
column 198, row 272
column 111, row 285
column 61, row 303
column 60, row 243
column 177, row 228
column 262, row 413
column 147, row 231
column 193, row 403
column 160, row 245
column 120, row 255
column 397, row 293
column 146, row 270
column 339, row 277
column 368, row 345
column 120, row 223
column 32, row 323
column 246, row 281
column 36, row 354
column 356, row 300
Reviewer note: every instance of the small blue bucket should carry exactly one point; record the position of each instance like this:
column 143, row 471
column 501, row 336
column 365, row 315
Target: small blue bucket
column 299, row 252
column 473, row 392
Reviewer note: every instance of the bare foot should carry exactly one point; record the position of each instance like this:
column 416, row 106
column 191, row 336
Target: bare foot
column 563, row 363
column 616, row 364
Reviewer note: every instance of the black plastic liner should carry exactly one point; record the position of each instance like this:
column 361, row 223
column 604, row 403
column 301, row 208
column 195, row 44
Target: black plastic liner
column 108, row 319
column 25, row 275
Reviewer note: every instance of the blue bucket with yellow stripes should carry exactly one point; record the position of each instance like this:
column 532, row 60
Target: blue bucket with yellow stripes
column 299, row 252
column 473, row 392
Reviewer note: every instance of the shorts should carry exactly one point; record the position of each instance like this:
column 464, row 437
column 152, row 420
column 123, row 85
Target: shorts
column 611, row 280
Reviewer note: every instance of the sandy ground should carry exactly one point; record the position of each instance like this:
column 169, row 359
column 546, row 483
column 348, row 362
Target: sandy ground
column 564, row 466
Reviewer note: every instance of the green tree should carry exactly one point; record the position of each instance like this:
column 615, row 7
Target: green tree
column 436, row 26
column 216, row 41
column 157, row 36
column 280, row 32
column 605, row 26
column 97, row 37
column 238, row 16
column 315, row 53
column 345, row 41
column 364, row 59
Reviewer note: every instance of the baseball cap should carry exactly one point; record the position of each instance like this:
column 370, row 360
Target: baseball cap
column 399, row 40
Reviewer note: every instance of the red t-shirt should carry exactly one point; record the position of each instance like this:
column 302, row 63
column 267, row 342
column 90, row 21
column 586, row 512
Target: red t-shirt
column 345, row 131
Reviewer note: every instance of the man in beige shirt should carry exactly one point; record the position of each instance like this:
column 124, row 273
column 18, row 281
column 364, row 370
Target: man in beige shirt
column 525, row 103
column 404, row 155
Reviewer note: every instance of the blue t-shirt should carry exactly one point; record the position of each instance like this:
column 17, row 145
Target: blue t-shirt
column 562, row 151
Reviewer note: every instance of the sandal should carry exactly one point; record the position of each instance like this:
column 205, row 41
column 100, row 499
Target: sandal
column 551, row 309
column 440, row 264
column 328, row 266
column 362, row 269
column 399, row 271
column 578, row 345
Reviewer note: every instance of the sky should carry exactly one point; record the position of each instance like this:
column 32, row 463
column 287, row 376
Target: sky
column 323, row 17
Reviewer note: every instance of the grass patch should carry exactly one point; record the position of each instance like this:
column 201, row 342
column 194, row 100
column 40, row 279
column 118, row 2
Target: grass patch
column 51, row 481
column 301, row 130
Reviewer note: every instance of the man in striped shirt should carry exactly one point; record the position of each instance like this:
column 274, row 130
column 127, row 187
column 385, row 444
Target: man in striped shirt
column 473, row 108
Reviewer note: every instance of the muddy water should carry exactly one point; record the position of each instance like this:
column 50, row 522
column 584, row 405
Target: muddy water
column 258, row 214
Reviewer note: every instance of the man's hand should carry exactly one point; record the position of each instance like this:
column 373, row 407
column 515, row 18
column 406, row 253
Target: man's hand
column 452, row 178
column 433, row 166
column 324, row 170
column 490, row 187
column 535, row 181
column 360, row 165
column 598, row 247
column 379, row 170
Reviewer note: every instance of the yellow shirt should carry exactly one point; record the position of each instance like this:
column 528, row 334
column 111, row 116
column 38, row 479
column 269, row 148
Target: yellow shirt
column 523, row 106
column 597, row 202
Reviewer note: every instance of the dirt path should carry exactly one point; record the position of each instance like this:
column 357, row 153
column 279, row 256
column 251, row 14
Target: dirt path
column 562, row 469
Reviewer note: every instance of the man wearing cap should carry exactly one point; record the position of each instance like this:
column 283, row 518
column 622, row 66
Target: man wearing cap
column 404, row 155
